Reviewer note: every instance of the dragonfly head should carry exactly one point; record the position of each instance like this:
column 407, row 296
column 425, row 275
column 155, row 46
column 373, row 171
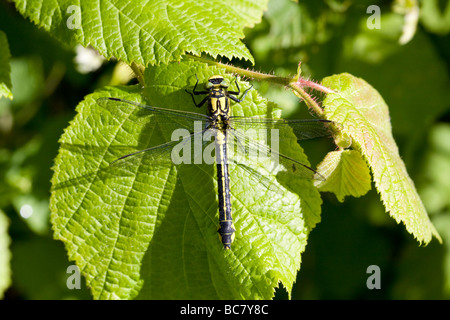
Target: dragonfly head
column 217, row 81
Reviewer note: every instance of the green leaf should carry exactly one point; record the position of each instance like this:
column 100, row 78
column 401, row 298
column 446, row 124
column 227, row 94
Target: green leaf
column 152, row 228
column 5, row 255
column 346, row 174
column 149, row 32
column 5, row 68
column 434, row 17
column 374, row 54
column 364, row 115
column 435, row 186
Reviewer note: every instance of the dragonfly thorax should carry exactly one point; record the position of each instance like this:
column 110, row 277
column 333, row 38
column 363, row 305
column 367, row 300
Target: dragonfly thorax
column 219, row 103
column 219, row 121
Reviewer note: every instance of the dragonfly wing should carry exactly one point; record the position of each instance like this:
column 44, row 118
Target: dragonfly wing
column 258, row 177
column 303, row 129
column 143, row 115
column 171, row 153
column 310, row 129
column 263, row 153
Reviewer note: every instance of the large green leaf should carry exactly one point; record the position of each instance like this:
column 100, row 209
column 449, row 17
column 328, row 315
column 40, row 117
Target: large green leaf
column 149, row 32
column 152, row 228
column 346, row 174
column 5, row 68
column 364, row 116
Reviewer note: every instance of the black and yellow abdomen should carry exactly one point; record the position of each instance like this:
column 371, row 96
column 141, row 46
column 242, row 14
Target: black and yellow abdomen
column 226, row 227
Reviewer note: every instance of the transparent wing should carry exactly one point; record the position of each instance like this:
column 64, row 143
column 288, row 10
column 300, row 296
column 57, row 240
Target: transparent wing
column 187, row 147
column 186, row 150
column 258, row 177
column 303, row 129
column 143, row 114
column 241, row 145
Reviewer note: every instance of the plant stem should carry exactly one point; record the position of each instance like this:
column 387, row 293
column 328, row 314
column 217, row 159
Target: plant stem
column 245, row 72
column 139, row 72
column 295, row 84
column 310, row 102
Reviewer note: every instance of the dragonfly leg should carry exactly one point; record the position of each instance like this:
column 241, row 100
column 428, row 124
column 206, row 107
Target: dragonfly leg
column 195, row 92
column 237, row 86
column 237, row 92
column 195, row 88
column 201, row 102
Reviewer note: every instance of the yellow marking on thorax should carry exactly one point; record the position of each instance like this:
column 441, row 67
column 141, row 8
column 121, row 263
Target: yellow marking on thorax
column 213, row 105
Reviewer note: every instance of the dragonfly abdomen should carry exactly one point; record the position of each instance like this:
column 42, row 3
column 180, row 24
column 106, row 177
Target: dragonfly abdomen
column 226, row 227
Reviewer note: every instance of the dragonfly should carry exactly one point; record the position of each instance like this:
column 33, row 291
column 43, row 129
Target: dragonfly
column 231, row 141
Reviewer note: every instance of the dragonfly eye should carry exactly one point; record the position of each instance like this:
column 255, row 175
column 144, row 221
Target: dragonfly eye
column 216, row 80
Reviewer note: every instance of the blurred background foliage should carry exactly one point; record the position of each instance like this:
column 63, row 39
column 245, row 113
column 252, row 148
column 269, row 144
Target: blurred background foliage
column 328, row 37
